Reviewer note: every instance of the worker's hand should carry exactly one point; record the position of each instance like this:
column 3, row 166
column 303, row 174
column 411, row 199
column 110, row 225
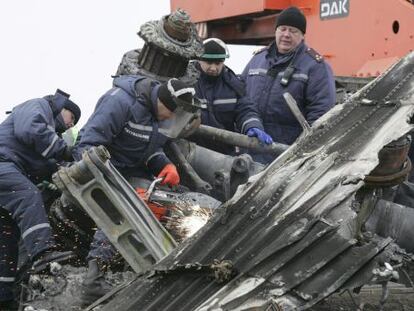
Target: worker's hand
column 262, row 136
column 67, row 154
column 170, row 175
column 46, row 185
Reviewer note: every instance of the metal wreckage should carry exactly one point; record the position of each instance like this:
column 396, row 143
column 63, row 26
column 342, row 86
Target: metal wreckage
column 322, row 218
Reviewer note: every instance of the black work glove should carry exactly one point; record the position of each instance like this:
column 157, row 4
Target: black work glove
column 67, row 154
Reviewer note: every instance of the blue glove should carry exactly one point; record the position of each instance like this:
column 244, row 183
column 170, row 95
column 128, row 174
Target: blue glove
column 262, row 136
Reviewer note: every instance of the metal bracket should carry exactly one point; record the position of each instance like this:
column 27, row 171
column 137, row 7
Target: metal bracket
column 293, row 106
column 97, row 187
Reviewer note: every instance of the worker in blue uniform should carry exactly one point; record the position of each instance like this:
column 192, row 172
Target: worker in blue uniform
column 223, row 100
column 30, row 149
column 134, row 120
column 288, row 65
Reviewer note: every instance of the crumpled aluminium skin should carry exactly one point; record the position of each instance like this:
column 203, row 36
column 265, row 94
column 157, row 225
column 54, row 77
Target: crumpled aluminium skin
column 292, row 232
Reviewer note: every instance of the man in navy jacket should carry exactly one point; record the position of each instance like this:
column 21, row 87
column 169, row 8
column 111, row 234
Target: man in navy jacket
column 29, row 150
column 131, row 121
column 288, row 65
column 134, row 120
column 222, row 96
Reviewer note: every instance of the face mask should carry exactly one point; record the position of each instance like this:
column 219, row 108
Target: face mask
column 174, row 126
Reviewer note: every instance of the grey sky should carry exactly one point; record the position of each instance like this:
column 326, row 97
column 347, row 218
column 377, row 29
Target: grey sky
column 75, row 45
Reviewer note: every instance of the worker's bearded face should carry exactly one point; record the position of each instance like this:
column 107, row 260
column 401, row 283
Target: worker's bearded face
column 287, row 38
column 212, row 68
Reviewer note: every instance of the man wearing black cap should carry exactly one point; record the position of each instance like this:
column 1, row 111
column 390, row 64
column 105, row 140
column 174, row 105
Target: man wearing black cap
column 288, row 65
column 222, row 96
column 134, row 120
column 29, row 149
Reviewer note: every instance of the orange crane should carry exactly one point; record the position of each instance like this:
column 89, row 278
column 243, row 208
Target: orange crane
column 359, row 38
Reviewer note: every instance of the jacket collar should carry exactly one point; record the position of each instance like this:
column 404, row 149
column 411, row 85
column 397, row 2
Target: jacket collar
column 276, row 58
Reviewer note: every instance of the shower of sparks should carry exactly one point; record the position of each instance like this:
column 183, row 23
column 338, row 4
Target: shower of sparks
column 186, row 219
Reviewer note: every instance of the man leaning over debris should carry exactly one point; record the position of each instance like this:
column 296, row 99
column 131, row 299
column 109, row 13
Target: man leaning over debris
column 288, row 65
column 29, row 149
column 222, row 95
column 133, row 121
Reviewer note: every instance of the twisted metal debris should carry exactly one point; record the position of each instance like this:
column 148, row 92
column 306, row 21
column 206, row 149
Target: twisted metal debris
column 169, row 45
column 174, row 33
column 292, row 232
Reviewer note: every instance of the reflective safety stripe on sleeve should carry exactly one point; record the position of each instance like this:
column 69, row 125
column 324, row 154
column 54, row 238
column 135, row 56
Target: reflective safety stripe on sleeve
column 46, row 151
column 153, row 156
column 247, row 122
column 300, row 76
column 225, row 101
column 34, row 228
